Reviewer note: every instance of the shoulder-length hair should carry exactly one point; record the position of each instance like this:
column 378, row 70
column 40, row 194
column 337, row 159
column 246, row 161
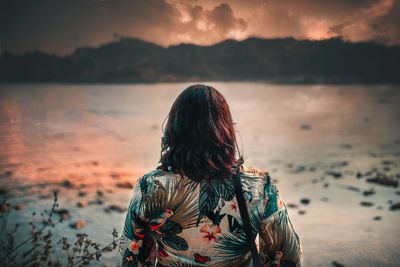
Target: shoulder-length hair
column 199, row 138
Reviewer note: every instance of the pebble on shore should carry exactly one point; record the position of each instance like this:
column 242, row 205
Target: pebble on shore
column 78, row 224
column 116, row 208
column 63, row 213
column 126, row 185
column 366, row 203
column 82, row 203
column 305, row 201
column 395, row 206
column 383, row 180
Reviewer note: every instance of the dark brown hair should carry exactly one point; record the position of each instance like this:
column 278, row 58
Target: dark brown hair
column 199, row 138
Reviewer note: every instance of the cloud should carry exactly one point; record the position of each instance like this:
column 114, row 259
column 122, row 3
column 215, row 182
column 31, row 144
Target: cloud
column 312, row 19
column 206, row 26
column 60, row 26
column 378, row 22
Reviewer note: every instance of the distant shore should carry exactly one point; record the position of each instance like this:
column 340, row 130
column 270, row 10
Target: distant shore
column 286, row 60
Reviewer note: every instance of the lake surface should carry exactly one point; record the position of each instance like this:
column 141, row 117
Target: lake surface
column 96, row 136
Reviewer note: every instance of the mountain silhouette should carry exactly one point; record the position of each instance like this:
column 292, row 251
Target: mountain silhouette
column 274, row 60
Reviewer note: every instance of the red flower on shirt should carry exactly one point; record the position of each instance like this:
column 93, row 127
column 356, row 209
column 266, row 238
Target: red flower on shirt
column 210, row 232
column 234, row 206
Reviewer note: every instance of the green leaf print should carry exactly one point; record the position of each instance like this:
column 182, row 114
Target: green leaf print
column 209, row 197
column 129, row 259
column 175, row 242
column 226, row 189
column 171, row 228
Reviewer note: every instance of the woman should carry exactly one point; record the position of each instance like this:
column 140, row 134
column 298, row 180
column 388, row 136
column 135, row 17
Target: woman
column 185, row 212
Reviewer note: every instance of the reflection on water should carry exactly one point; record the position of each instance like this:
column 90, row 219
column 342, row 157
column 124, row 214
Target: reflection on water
column 59, row 131
column 96, row 136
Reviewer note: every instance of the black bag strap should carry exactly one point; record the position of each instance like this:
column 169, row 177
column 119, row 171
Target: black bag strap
column 244, row 214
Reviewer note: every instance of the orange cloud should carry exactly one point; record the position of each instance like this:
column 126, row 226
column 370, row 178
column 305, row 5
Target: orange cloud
column 62, row 26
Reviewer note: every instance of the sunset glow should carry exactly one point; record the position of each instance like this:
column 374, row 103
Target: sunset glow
column 36, row 24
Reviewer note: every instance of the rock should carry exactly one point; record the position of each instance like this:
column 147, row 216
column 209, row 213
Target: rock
column 66, row 184
column 305, row 127
column 47, row 221
column 339, row 164
column 346, row 146
column 302, row 212
column 19, row 206
column 115, row 208
column 383, row 180
column 100, row 193
column 292, row 206
column 96, row 202
column 337, row 264
column 126, row 185
column 305, row 201
column 95, row 163
column 82, row 204
column 334, row 174
column 82, row 193
column 78, row 224
column 300, row 168
column 395, row 206
column 359, row 175
column 351, row 188
column 326, row 185
column 366, row 203
column 115, row 175
column 63, row 213
column 4, row 206
column 377, row 218
column 367, row 193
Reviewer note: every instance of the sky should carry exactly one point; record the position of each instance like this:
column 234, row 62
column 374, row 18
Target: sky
column 61, row 26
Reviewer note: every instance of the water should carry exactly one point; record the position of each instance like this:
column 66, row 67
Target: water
column 98, row 135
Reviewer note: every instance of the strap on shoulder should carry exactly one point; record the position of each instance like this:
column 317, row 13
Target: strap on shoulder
column 244, row 214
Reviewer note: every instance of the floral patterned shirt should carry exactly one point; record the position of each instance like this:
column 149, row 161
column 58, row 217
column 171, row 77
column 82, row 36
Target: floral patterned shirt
column 175, row 221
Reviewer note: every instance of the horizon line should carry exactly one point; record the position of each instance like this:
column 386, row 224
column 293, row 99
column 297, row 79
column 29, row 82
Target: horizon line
column 121, row 38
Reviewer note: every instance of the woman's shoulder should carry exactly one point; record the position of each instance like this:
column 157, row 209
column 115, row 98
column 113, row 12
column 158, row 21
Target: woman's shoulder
column 152, row 180
column 261, row 178
column 155, row 174
column 256, row 176
column 250, row 170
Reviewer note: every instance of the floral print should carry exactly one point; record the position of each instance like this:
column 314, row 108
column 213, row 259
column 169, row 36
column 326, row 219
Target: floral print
column 135, row 245
column 176, row 221
column 210, row 232
column 234, row 206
